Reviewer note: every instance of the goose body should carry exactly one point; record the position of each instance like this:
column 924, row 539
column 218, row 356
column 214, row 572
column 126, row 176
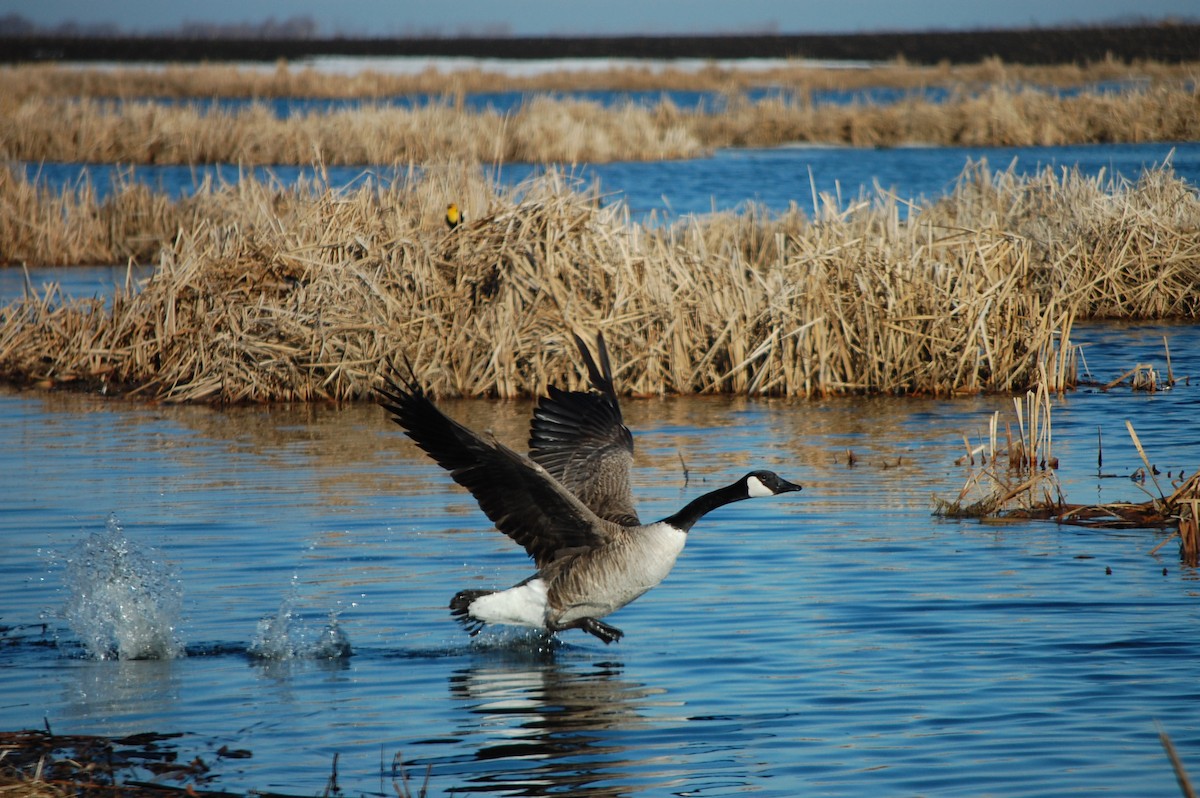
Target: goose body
column 568, row 503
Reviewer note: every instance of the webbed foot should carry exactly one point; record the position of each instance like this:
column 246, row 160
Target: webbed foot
column 607, row 633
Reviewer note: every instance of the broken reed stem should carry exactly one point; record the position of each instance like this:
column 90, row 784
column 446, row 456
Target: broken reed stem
column 1170, row 372
column 1145, row 460
column 989, row 491
column 264, row 292
column 1181, row 776
column 1189, row 532
column 1015, row 473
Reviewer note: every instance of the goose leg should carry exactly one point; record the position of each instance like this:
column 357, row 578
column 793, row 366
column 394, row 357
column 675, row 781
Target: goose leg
column 609, row 634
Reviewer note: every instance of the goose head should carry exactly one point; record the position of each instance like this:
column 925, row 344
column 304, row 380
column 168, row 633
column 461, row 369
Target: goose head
column 766, row 483
column 752, row 486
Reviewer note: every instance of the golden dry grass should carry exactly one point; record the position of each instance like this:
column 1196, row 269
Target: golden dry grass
column 298, row 294
column 42, row 226
column 1016, row 463
column 998, row 116
column 59, row 114
column 102, row 131
column 287, row 80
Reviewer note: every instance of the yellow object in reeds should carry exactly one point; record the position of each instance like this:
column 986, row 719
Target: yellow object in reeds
column 454, row 216
column 262, row 293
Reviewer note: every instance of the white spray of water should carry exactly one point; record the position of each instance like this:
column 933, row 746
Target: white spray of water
column 124, row 600
column 285, row 636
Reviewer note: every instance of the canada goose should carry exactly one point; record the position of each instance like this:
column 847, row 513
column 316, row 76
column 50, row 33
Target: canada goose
column 454, row 216
column 568, row 503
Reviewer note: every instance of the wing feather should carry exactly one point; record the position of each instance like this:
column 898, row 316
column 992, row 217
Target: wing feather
column 520, row 497
column 581, row 439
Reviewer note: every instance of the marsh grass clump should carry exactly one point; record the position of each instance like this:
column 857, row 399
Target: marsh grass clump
column 1013, row 473
column 1013, row 476
column 1189, row 521
column 75, row 226
column 147, row 132
column 263, row 292
column 992, row 104
column 799, row 77
column 40, row 764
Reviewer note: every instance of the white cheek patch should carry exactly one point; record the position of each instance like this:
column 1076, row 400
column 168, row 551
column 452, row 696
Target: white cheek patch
column 755, row 488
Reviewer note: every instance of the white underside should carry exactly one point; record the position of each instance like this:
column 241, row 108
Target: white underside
column 523, row 605
column 528, row 604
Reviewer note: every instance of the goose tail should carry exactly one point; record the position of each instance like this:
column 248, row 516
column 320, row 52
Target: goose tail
column 460, row 608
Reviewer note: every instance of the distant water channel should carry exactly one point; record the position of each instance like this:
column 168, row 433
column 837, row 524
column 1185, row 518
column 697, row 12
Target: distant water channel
column 773, row 178
column 688, row 100
column 837, row 642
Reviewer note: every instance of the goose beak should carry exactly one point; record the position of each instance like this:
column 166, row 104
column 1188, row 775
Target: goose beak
column 787, row 487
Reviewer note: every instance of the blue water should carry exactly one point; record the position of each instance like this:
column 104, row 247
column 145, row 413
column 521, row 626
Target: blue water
column 774, row 178
column 841, row 641
column 505, row 102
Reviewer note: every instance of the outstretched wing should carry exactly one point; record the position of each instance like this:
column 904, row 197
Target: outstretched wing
column 519, row 496
column 580, row 438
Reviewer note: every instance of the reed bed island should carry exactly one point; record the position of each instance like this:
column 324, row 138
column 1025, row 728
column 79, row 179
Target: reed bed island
column 288, row 80
column 263, row 293
column 61, row 114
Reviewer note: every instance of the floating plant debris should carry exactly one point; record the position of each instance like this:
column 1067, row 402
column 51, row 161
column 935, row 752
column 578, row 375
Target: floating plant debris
column 40, row 764
column 1016, row 479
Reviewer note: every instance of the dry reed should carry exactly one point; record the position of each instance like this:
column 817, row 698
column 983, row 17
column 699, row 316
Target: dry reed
column 297, row 294
column 55, row 128
column 997, row 116
column 800, row 77
column 1015, row 476
column 40, row 764
column 1181, row 776
column 1017, row 480
column 98, row 131
column 44, row 227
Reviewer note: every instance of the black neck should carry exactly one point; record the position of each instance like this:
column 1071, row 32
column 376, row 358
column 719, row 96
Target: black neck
column 702, row 505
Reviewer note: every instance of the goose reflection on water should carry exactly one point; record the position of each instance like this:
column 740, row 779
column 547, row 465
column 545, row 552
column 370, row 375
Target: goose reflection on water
column 549, row 727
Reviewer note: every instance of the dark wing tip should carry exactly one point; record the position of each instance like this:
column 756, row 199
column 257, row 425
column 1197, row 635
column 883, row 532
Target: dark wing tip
column 399, row 393
column 600, row 376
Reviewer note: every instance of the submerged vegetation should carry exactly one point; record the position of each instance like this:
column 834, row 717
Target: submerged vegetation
column 62, row 114
column 267, row 293
column 1013, row 475
column 40, row 764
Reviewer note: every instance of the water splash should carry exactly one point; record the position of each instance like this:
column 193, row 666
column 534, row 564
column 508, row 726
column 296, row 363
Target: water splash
column 285, row 636
column 125, row 600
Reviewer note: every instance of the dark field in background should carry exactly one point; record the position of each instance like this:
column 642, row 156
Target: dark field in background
column 1159, row 42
